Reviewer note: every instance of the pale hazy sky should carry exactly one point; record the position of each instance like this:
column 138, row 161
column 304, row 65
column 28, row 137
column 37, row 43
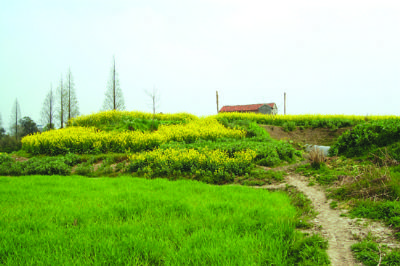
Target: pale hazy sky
column 331, row 57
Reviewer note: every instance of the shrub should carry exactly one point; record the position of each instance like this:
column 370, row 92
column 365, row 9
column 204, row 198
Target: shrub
column 71, row 159
column 9, row 144
column 365, row 137
column 34, row 166
column 289, row 126
column 5, row 158
column 85, row 169
column 46, row 166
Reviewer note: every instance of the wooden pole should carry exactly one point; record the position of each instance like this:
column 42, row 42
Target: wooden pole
column 114, row 100
column 284, row 104
column 217, row 104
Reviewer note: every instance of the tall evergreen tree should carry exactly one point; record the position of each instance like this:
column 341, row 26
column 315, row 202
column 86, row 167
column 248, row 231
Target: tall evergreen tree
column 15, row 117
column 61, row 113
column 72, row 101
column 114, row 99
column 48, row 110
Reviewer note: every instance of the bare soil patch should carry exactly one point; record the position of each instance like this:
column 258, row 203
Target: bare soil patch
column 314, row 136
column 20, row 159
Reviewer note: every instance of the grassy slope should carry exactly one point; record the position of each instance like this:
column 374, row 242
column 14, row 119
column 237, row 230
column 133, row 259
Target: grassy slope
column 78, row 220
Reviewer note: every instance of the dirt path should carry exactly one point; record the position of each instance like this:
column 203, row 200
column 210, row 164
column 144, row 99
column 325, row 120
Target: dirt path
column 337, row 230
column 341, row 232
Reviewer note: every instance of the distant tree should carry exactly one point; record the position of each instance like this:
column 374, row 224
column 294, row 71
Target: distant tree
column 72, row 101
column 155, row 99
column 61, row 108
column 48, row 110
column 28, row 126
column 2, row 130
column 15, row 117
column 114, row 99
column 48, row 127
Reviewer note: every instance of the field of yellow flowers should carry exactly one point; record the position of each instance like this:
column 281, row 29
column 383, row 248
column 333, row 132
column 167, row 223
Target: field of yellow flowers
column 307, row 120
column 90, row 140
column 215, row 164
column 114, row 117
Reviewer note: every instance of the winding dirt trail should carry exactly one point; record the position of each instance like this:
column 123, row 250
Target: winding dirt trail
column 340, row 231
column 337, row 230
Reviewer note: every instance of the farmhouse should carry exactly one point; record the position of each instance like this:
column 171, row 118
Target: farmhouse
column 262, row 108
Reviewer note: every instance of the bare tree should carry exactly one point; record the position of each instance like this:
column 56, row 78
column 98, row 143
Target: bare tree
column 114, row 99
column 15, row 117
column 155, row 99
column 72, row 101
column 155, row 102
column 61, row 113
column 48, row 110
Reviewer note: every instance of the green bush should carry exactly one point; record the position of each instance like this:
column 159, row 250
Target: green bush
column 289, row 126
column 5, row 158
column 85, row 169
column 34, row 166
column 46, row 166
column 72, row 159
column 9, row 144
column 365, row 137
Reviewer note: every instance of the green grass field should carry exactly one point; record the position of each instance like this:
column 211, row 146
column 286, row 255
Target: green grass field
column 59, row 220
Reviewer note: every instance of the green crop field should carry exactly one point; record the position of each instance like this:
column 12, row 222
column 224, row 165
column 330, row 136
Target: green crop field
column 65, row 220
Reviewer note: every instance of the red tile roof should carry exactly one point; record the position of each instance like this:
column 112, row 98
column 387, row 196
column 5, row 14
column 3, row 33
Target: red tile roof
column 244, row 108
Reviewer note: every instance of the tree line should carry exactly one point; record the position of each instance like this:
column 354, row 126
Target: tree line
column 58, row 108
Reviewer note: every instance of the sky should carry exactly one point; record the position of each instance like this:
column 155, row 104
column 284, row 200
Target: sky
column 330, row 57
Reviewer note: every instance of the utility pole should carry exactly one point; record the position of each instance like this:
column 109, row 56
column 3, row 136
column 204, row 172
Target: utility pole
column 69, row 94
column 114, row 103
column 217, row 104
column 16, row 120
column 284, row 103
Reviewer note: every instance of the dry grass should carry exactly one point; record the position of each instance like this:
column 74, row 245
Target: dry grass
column 316, row 157
column 372, row 183
column 384, row 158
